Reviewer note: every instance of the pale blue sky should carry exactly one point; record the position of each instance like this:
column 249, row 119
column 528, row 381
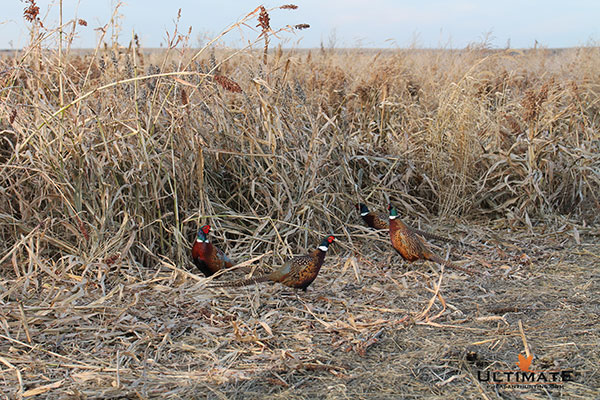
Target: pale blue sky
column 371, row 23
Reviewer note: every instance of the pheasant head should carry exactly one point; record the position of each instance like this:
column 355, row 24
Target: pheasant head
column 203, row 234
column 324, row 246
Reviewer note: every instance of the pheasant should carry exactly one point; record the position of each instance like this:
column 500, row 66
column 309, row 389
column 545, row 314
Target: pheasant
column 410, row 246
column 208, row 258
column 371, row 219
column 298, row 272
column 377, row 222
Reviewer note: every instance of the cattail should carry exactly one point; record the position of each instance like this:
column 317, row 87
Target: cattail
column 228, row 84
column 184, row 97
column 83, row 228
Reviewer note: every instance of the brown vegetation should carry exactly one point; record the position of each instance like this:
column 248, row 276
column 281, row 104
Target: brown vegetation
column 111, row 159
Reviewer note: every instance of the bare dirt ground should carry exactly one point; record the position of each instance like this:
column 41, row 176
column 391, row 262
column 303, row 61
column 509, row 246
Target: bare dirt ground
column 370, row 327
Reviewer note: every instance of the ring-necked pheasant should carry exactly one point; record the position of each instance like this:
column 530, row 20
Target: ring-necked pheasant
column 377, row 222
column 410, row 246
column 371, row 219
column 208, row 258
column 298, row 272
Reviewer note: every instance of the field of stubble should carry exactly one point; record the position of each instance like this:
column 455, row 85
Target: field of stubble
column 110, row 160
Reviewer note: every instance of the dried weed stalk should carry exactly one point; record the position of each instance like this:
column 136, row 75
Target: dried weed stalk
column 101, row 194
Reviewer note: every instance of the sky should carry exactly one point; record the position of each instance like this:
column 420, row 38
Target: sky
column 341, row 23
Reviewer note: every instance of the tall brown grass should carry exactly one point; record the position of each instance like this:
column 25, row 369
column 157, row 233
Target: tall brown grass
column 120, row 153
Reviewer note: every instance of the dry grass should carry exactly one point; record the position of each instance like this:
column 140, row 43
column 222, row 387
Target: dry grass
column 111, row 159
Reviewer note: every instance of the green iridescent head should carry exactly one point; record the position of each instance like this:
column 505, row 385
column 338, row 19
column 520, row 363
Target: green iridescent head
column 393, row 212
column 363, row 209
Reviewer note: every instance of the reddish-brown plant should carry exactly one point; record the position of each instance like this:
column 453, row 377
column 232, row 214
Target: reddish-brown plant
column 31, row 12
column 264, row 20
column 228, row 84
column 13, row 115
column 184, row 97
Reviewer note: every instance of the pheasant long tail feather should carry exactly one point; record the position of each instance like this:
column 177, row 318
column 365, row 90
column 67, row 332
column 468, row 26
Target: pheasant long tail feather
column 447, row 263
column 428, row 235
column 241, row 282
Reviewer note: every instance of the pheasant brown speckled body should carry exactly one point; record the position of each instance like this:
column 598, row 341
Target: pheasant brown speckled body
column 410, row 246
column 298, row 272
column 376, row 221
column 208, row 258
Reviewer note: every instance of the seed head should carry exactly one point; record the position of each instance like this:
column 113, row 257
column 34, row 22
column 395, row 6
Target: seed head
column 31, row 13
column 264, row 20
column 228, row 84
